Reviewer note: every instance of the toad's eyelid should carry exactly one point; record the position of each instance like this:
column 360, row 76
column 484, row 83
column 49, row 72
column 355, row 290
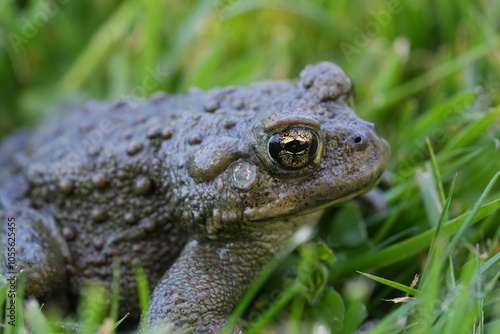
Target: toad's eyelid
column 285, row 122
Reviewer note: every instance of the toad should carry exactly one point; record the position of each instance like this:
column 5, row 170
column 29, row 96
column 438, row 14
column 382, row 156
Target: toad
column 200, row 189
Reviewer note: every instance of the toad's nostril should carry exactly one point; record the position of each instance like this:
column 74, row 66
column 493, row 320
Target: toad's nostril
column 359, row 141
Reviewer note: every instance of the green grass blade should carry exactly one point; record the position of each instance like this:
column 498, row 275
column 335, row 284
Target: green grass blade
column 301, row 236
column 116, row 324
column 479, row 289
column 3, row 297
column 143, row 291
column 427, row 123
column 429, row 194
column 109, row 35
column 300, row 8
column 115, row 299
column 435, row 170
column 412, row 87
column 389, row 322
column 488, row 264
column 35, row 319
column 470, row 134
column 453, row 161
column 188, row 30
column 463, row 228
column 92, row 307
column 392, row 284
column 433, row 266
column 410, row 247
column 259, row 324
column 462, row 315
column 442, row 219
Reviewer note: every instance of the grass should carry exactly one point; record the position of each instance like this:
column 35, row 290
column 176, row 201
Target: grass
column 426, row 73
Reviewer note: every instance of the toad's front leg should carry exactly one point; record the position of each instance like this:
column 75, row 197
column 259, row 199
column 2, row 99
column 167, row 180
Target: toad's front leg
column 202, row 287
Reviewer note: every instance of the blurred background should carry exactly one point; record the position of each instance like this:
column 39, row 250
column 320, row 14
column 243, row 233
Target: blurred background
column 57, row 49
column 427, row 73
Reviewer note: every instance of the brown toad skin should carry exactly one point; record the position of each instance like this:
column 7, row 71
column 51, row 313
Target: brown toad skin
column 153, row 182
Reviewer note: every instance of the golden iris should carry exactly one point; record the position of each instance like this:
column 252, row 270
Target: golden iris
column 293, row 148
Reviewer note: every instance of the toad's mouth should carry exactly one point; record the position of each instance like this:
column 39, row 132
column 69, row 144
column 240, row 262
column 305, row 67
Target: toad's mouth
column 279, row 209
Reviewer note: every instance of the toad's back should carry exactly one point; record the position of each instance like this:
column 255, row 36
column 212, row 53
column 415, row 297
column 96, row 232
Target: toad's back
column 113, row 174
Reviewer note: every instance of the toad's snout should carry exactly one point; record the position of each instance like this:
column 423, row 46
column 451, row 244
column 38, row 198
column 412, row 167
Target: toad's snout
column 364, row 138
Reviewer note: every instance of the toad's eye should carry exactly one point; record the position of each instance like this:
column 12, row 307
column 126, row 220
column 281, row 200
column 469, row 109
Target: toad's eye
column 293, row 148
